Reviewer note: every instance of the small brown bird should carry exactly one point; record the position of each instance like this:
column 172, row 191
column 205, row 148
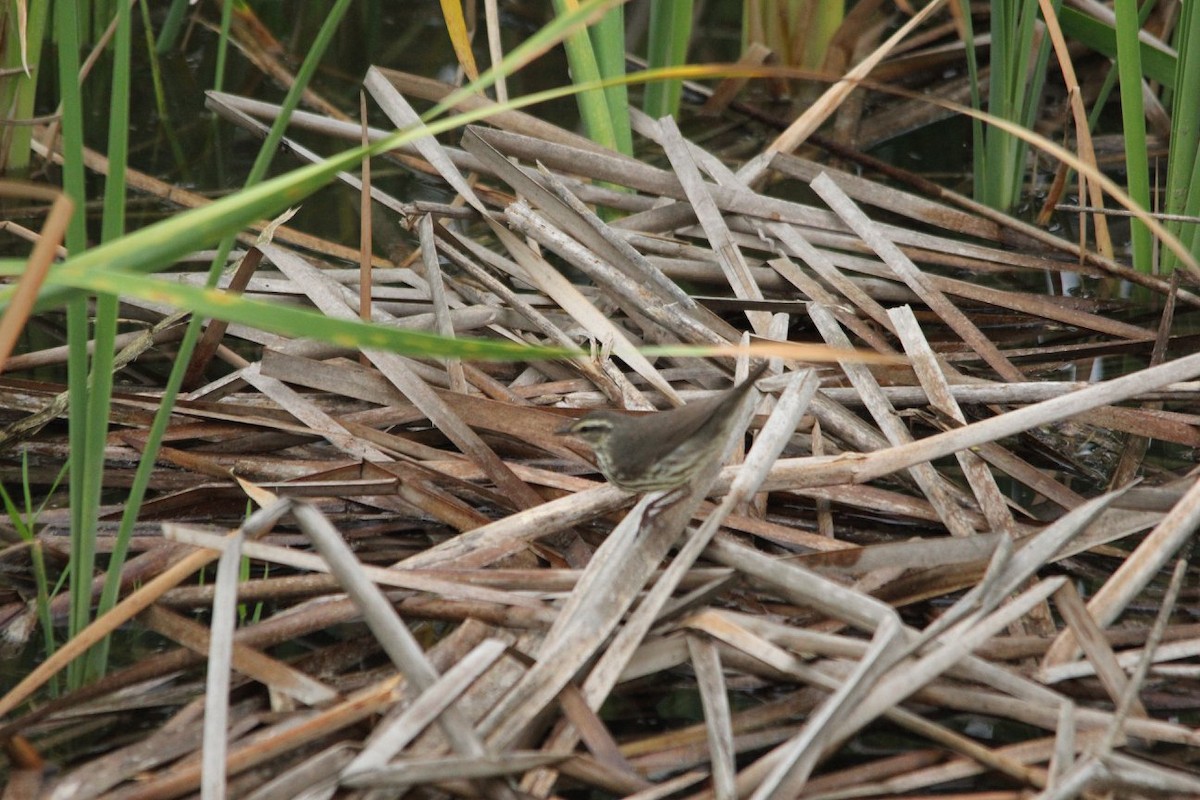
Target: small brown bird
column 663, row 450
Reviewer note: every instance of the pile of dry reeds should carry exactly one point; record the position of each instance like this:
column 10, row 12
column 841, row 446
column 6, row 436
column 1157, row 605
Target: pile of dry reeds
column 894, row 551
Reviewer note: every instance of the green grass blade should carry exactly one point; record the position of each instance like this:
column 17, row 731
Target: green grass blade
column 223, row 44
column 292, row 321
column 18, row 91
column 1014, row 91
column 81, row 566
column 670, row 32
column 593, row 104
column 158, row 246
column 608, row 42
column 978, row 145
column 1133, row 118
column 172, row 26
column 1157, row 65
column 99, row 395
column 1183, row 166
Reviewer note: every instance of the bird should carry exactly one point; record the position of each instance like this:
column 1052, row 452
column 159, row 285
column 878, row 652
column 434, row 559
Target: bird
column 664, row 450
